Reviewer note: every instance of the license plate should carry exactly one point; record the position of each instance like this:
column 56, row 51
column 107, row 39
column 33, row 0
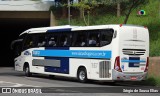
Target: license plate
column 133, row 78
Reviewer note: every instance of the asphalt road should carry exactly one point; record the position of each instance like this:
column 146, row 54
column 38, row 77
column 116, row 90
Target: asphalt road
column 62, row 86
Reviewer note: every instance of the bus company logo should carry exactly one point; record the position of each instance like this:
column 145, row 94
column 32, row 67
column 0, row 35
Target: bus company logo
column 134, row 52
column 36, row 52
column 27, row 53
column 135, row 34
column 122, row 67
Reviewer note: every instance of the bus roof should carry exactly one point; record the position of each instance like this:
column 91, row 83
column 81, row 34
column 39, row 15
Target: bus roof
column 104, row 26
column 45, row 29
column 94, row 27
column 75, row 28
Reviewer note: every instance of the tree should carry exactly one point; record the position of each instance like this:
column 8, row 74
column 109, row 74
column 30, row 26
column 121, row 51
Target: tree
column 64, row 8
column 85, row 6
column 131, row 5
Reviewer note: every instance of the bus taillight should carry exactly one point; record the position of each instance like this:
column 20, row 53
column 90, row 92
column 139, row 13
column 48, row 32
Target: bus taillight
column 117, row 64
column 147, row 63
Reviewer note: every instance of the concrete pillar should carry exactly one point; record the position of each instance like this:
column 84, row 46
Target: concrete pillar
column 52, row 19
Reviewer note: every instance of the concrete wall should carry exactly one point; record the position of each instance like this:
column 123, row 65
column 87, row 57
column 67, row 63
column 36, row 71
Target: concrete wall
column 25, row 5
column 25, row 14
column 26, row 9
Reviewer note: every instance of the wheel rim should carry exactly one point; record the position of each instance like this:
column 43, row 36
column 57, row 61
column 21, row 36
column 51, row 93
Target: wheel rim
column 82, row 75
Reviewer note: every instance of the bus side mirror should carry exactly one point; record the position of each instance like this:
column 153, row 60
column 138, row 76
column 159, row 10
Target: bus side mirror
column 16, row 47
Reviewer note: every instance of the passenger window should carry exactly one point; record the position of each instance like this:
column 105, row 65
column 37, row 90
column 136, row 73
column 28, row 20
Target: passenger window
column 106, row 37
column 42, row 41
column 65, row 39
column 94, row 38
column 53, row 41
column 80, row 39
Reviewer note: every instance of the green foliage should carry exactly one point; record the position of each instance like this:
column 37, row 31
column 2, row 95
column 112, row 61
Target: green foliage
column 84, row 6
column 131, row 5
column 108, row 2
column 150, row 81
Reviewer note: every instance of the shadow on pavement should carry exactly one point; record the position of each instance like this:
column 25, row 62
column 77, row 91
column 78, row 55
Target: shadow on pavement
column 9, row 71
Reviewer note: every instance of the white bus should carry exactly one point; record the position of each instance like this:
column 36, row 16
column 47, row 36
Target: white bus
column 101, row 52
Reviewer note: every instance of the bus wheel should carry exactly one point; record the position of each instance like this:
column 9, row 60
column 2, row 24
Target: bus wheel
column 27, row 71
column 82, row 75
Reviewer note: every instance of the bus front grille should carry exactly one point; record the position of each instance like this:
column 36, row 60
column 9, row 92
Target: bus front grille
column 104, row 68
column 133, row 51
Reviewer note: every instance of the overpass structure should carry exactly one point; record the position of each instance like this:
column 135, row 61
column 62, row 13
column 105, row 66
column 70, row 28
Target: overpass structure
column 26, row 10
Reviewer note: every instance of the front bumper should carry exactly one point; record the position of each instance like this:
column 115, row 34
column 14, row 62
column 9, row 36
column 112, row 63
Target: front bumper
column 120, row 76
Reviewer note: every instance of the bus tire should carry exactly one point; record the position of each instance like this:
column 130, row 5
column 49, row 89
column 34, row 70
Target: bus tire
column 27, row 71
column 82, row 75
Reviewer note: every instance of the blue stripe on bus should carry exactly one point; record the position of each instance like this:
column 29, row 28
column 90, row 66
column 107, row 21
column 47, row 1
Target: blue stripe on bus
column 64, row 62
column 72, row 53
column 59, row 30
column 133, row 61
